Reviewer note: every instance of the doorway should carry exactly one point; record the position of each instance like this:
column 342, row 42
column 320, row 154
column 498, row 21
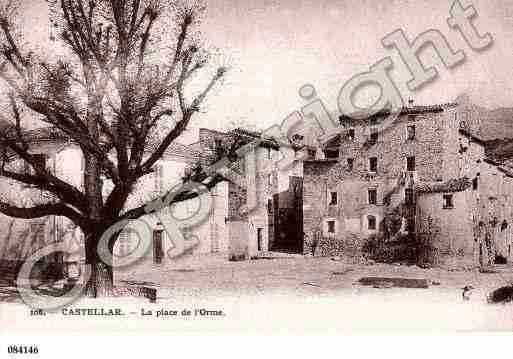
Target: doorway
column 260, row 239
column 158, row 250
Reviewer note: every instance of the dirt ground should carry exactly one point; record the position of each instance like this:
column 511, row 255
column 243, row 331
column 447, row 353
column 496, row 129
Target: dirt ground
column 299, row 276
column 295, row 293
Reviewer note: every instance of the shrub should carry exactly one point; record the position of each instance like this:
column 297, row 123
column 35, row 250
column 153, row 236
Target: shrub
column 405, row 248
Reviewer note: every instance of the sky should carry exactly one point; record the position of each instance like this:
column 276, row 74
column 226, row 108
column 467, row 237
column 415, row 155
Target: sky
column 274, row 47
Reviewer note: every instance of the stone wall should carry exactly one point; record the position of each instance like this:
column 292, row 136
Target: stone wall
column 352, row 213
column 248, row 197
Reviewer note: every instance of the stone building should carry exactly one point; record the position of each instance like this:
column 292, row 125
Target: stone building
column 427, row 166
column 231, row 227
column 21, row 238
column 263, row 210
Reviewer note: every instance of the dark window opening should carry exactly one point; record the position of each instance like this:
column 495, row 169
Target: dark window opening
column 410, row 225
column 500, row 259
column 331, row 153
column 260, row 239
column 475, row 183
column 371, row 222
column 311, row 153
column 350, row 164
column 374, row 135
column 409, row 197
column 158, row 249
column 373, row 196
column 333, row 198
column 39, row 159
column 411, row 132
column 218, row 145
column 410, row 163
column 373, row 164
column 331, row 226
column 447, row 201
column 297, row 138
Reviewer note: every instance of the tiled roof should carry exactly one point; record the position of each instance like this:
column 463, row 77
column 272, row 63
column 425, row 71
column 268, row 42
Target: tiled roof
column 255, row 135
column 54, row 134
column 39, row 134
column 452, row 185
column 176, row 149
column 405, row 110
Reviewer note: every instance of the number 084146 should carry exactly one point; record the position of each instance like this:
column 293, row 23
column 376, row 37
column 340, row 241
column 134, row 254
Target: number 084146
column 22, row 349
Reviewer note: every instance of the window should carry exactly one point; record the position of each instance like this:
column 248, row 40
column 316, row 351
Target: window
column 331, row 153
column 373, row 135
column 269, row 180
column 373, row 196
column 371, row 223
column 373, row 164
column 311, row 153
column 411, row 132
column 409, row 196
column 331, row 226
column 333, row 198
column 40, row 159
column 297, row 138
column 268, row 153
column 124, row 241
column 410, row 163
column 350, row 134
column 158, row 249
column 37, row 230
column 447, row 201
column 218, row 147
column 410, row 225
column 350, row 164
column 475, row 182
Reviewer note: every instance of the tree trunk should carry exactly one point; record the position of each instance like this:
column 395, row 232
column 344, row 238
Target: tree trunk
column 101, row 282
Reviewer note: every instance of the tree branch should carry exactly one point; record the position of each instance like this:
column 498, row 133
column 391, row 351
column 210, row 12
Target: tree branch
column 50, row 209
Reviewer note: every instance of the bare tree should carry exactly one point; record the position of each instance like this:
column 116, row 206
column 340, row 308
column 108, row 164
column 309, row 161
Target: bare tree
column 124, row 76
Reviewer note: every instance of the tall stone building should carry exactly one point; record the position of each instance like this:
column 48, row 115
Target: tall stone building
column 427, row 167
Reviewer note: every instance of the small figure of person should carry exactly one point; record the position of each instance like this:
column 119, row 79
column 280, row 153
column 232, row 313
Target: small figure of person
column 315, row 241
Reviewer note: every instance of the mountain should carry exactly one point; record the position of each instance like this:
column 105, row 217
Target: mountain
column 489, row 124
column 496, row 124
column 493, row 125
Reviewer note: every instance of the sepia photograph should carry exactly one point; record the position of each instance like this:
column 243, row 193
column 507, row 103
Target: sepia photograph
column 255, row 165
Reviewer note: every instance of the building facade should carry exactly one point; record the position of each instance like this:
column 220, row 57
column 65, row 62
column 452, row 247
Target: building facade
column 228, row 226
column 427, row 167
